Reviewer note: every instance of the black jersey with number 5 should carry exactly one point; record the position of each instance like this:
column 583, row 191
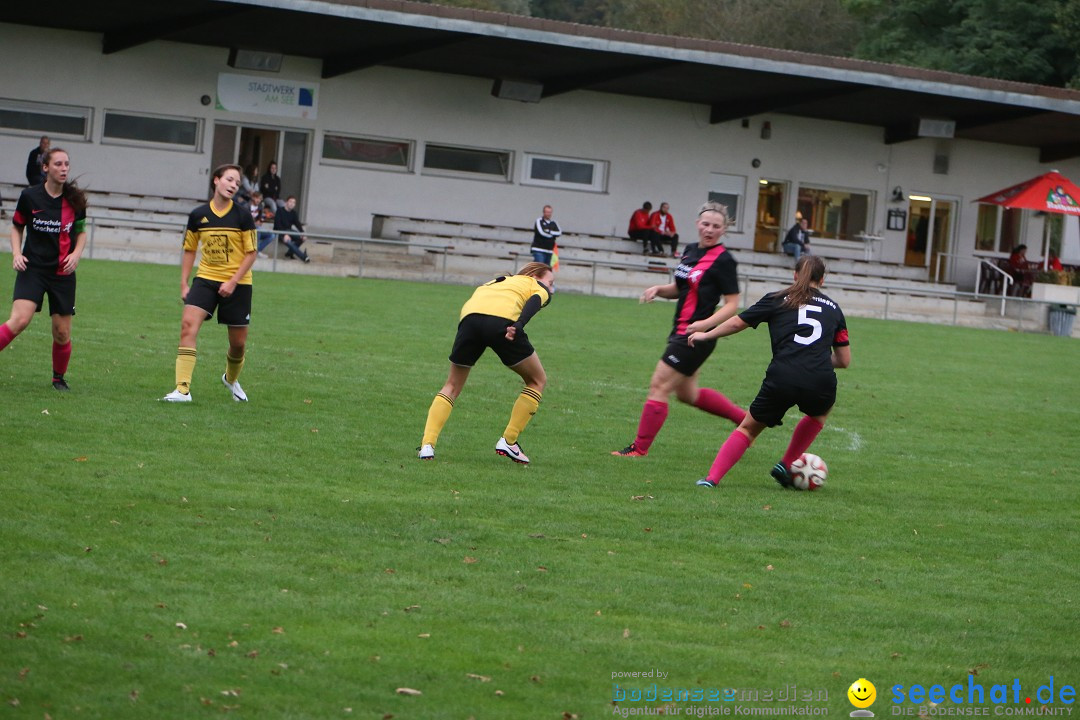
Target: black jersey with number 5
column 802, row 338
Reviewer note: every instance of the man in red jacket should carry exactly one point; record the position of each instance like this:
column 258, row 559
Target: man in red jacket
column 641, row 229
column 663, row 226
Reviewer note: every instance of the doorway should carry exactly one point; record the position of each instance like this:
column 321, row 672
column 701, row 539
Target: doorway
column 930, row 231
column 248, row 145
column 770, row 211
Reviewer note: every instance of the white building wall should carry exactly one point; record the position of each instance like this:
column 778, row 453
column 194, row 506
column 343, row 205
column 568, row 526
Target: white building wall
column 657, row 150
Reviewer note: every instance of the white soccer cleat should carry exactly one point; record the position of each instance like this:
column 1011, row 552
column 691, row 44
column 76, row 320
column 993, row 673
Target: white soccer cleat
column 511, row 451
column 427, row 452
column 238, row 393
column 177, row 396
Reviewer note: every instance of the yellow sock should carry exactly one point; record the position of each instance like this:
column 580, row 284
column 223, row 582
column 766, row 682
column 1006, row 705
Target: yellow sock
column 437, row 415
column 185, row 368
column 233, row 366
column 524, row 408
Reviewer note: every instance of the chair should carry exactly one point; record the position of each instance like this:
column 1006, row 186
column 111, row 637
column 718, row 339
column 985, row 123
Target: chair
column 990, row 281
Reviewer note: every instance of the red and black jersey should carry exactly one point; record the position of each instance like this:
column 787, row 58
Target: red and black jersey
column 802, row 338
column 52, row 226
column 704, row 277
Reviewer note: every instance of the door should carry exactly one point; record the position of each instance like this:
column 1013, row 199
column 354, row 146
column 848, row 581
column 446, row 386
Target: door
column 930, row 230
column 770, row 214
column 247, row 145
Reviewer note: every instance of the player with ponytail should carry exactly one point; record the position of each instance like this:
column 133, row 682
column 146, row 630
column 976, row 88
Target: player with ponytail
column 53, row 216
column 809, row 339
column 494, row 317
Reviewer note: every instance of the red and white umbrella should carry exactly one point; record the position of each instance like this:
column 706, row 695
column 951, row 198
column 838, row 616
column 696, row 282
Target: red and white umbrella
column 1050, row 192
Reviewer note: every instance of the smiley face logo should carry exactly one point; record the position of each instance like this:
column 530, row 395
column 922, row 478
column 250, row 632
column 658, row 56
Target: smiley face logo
column 862, row 693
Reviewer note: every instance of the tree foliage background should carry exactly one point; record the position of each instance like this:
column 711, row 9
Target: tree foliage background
column 1033, row 41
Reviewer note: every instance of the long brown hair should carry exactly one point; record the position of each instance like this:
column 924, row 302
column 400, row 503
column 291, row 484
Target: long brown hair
column 220, row 170
column 71, row 191
column 534, row 269
column 809, row 272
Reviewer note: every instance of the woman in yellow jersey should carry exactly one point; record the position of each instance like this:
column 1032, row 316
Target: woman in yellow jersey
column 495, row 317
column 226, row 233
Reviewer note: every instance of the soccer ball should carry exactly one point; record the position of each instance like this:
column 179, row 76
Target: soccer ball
column 808, row 472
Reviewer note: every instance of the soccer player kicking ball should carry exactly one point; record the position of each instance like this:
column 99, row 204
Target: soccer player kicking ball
column 809, row 339
column 494, row 317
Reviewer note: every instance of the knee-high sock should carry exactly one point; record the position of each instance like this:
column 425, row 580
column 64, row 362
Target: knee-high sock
column 524, row 408
column 6, row 336
column 712, row 401
column 804, row 434
column 185, row 368
column 437, row 415
column 653, row 416
column 233, row 366
column 730, row 452
column 61, row 355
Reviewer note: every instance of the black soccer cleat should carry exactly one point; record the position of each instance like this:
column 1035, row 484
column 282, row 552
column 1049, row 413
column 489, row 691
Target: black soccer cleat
column 60, row 384
column 781, row 475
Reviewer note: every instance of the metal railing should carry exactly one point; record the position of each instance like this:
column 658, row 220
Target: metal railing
column 1027, row 315
column 981, row 263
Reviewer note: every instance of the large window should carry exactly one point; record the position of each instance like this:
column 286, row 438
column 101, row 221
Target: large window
column 569, row 173
column 32, row 118
column 997, row 229
column 835, row 213
column 467, row 162
column 729, row 190
column 382, row 153
column 173, row 133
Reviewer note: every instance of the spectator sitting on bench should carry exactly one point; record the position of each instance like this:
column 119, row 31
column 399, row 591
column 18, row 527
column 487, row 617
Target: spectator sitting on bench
column 663, row 226
column 797, row 239
column 287, row 219
column 641, row 228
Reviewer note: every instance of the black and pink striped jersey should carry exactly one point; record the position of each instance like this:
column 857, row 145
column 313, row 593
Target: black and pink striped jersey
column 52, row 226
column 704, row 277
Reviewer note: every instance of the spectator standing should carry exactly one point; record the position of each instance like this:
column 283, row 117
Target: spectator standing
column 270, row 185
column 53, row 215
column 797, row 239
column 35, row 162
column 545, row 234
column 641, row 227
column 664, row 226
column 286, row 219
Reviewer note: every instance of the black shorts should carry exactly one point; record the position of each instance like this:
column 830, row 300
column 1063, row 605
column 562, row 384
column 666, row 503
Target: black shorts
column 777, row 396
column 685, row 359
column 234, row 311
column 477, row 333
column 34, row 285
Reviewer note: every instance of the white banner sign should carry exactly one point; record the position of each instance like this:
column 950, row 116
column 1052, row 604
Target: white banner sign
column 267, row 96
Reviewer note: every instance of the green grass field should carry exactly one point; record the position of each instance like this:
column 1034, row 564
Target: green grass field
column 290, row 557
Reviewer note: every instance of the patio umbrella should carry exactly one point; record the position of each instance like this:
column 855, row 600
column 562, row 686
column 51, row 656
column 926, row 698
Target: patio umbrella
column 1050, row 192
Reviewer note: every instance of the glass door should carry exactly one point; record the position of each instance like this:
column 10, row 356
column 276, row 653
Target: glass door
column 931, row 227
column 769, row 228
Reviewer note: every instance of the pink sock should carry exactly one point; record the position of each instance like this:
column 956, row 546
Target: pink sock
column 730, row 452
column 805, row 432
column 716, row 403
column 61, row 354
column 6, row 336
column 653, row 416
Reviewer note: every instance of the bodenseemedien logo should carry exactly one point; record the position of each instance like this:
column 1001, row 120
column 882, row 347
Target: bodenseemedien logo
column 862, row 695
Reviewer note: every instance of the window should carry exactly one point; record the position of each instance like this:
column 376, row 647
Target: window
column 729, row 190
column 172, row 133
column 566, row 173
column 471, row 162
column 30, row 118
column 997, row 229
column 834, row 213
column 381, row 153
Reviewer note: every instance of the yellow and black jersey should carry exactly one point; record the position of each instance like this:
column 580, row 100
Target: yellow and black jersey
column 505, row 297
column 225, row 240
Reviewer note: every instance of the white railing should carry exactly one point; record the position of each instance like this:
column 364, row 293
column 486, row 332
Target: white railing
column 981, row 263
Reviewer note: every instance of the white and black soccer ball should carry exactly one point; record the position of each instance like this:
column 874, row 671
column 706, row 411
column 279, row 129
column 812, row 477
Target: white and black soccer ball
column 808, row 472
